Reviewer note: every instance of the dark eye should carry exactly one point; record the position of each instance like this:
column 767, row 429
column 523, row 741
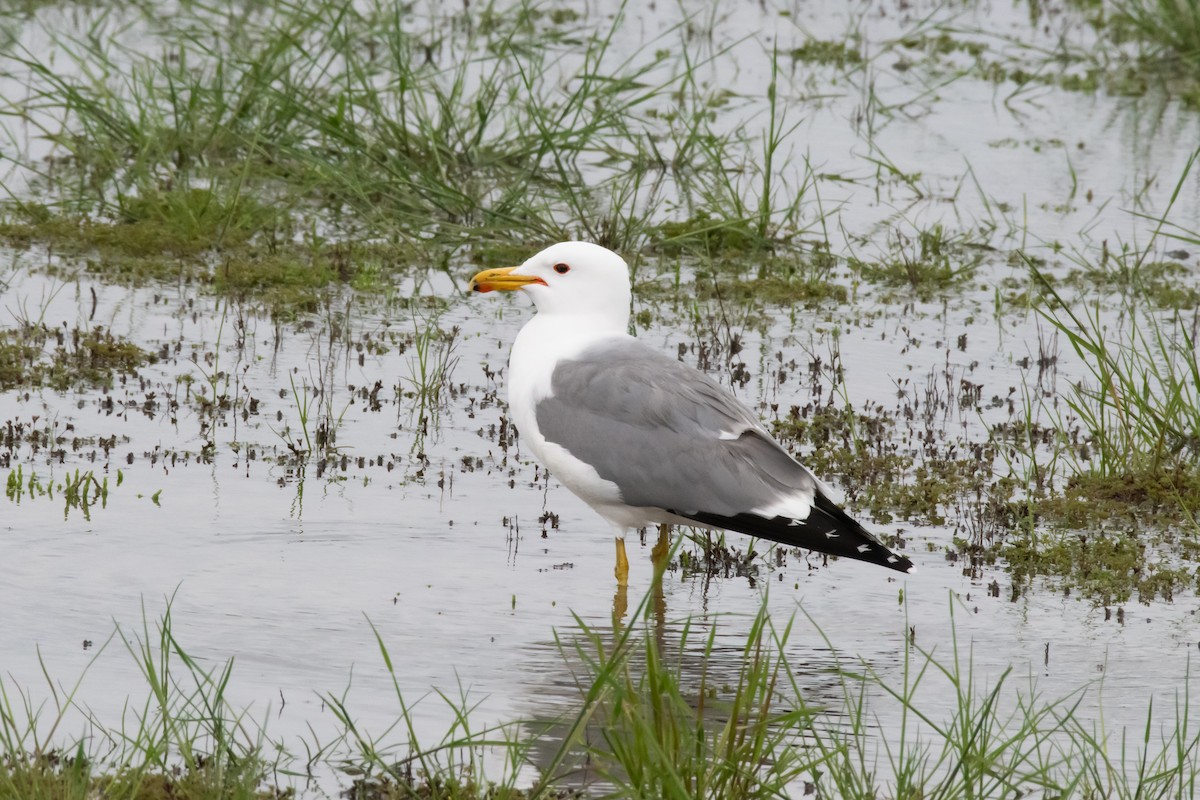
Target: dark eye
column 562, row 269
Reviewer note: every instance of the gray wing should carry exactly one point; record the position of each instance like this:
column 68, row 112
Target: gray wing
column 667, row 435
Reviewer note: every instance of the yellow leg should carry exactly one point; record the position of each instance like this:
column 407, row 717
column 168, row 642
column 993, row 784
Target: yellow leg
column 622, row 568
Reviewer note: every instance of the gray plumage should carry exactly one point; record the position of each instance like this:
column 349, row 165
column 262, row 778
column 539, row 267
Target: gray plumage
column 668, row 436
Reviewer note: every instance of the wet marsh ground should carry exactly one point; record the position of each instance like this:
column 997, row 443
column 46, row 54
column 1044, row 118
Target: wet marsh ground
column 250, row 422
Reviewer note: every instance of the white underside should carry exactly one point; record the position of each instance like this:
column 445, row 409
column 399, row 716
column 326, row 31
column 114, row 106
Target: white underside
column 542, row 343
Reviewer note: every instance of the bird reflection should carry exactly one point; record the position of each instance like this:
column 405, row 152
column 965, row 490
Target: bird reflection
column 701, row 655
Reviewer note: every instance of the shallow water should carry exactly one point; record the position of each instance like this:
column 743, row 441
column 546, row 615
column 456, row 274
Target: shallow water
column 287, row 573
column 436, row 541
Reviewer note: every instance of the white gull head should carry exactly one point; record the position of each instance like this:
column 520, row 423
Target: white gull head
column 569, row 278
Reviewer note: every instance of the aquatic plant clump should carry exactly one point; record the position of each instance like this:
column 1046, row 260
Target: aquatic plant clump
column 33, row 356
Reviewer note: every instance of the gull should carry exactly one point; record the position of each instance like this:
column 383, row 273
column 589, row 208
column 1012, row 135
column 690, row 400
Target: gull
column 643, row 438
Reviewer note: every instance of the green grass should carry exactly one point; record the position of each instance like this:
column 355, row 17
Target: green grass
column 887, row 481
column 657, row 718
column 1140, row 408
column 357, row 121
column 1106, row 489
column 367, row 124
column 1118, row 470
column 1166, row 283
column 184, row 742
column 660, row 735
column 1170, row 27
column 1141, row 405
column 286, row 152
column 1140, row 48
column 335, row 116
column 1041, row 499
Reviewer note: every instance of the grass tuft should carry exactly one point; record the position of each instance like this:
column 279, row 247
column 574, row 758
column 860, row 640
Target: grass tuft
column 1170, row 27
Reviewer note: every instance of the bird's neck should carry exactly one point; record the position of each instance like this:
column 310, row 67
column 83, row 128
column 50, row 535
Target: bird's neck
column 555, row 336
column 574, row 324
column 548, row 338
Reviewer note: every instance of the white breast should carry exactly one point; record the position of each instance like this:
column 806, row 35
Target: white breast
column 545, row 340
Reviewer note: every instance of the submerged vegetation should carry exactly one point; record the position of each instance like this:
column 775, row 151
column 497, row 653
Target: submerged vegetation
column 931, row 262
column 33, row 355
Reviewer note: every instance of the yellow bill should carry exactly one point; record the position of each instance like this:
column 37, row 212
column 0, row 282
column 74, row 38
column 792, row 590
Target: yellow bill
column 501, row 280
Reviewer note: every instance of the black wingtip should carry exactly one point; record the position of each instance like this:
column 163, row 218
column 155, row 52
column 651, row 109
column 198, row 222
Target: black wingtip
column 827, row 513
column 827, row 529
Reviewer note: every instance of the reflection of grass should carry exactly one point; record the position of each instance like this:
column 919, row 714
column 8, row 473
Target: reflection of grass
column 1166, row 284
column 1109, row 565
column 18, row 356
column 827, row 52
column 679, row 719
column 749, row 280
column 81, row 490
